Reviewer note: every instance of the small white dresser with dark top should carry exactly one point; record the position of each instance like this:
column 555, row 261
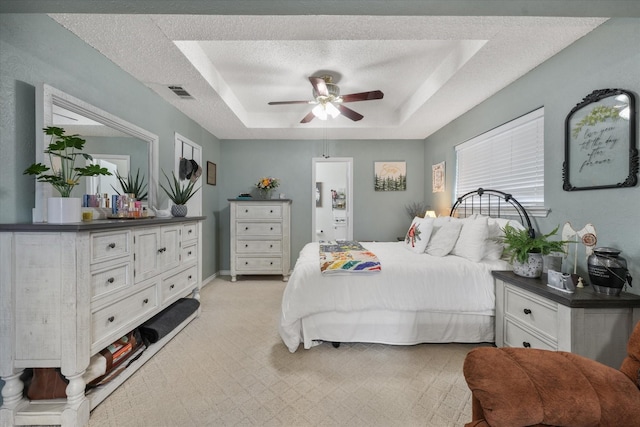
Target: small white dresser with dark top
column 533, row 315
column 260, row 237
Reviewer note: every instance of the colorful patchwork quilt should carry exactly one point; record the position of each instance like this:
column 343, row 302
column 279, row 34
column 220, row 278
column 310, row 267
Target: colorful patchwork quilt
column 347, row 257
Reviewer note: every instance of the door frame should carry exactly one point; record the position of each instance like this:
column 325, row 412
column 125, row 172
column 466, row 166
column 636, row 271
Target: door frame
column 349, row 210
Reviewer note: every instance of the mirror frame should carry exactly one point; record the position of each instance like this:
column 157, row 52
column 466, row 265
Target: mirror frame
column 575, row 145
column 47, row 97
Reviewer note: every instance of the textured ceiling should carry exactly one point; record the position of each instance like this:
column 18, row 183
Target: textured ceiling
column 431, row 68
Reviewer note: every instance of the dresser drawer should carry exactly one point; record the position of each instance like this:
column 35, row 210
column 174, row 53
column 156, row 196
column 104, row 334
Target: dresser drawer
column 174, row 285
column 109, row 245
column 516, row 336
column 259, row 229
column 261, row 211
column 259, row 246
column 263, row 263
column 189, row 253
column 109, row 279
column 539, row 313
column 189, row 232
column 110, row 322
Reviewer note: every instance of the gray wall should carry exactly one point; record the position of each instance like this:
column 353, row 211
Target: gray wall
column 34, row 49
column 608, row 57
column 377, row 215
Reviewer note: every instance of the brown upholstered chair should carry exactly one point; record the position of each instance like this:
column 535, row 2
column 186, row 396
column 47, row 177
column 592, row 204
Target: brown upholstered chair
column 529, row 387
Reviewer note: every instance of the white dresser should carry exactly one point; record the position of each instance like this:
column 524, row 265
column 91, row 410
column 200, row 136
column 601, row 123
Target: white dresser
column 260, row 237
column 68, row 291
column 531, row 314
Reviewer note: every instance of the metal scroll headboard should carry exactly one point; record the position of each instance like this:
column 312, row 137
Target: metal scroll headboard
column 492, row 203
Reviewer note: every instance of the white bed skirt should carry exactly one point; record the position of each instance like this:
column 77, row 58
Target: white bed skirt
column 397, row 327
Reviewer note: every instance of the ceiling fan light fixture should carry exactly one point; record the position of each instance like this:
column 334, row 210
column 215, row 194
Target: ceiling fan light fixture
column 331, row 110
column 320, row 112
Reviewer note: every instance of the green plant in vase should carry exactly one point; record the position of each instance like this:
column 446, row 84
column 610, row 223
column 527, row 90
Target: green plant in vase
column 63, row 175
column 132, row 186
column 525, row 251
column 62, row 151
column 179, row 194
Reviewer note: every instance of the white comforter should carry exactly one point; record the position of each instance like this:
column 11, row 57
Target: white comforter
column 407, row 282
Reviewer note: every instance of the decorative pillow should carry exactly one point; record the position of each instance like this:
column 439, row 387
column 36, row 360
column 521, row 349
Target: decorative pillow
column 443, row 238
column 472, row 239
column 418, row 235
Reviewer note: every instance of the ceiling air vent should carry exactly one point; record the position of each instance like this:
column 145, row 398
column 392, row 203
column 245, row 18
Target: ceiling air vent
column 181, row 92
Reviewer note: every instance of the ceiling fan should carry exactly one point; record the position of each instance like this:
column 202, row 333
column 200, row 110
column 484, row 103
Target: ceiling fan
column 328, row 101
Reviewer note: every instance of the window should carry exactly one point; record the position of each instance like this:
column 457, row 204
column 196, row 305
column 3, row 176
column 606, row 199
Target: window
column 509, row 158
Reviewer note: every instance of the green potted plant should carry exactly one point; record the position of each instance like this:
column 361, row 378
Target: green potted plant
column 525, row 252
column 63, row 175
column 133, row 186
column 179, row 194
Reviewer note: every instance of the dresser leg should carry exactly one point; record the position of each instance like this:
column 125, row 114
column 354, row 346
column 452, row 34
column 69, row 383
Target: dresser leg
column 12, row 390
column 233, row 278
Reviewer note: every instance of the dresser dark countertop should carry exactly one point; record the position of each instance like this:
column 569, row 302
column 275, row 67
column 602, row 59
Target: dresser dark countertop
column 96, row 224
column 582, row 298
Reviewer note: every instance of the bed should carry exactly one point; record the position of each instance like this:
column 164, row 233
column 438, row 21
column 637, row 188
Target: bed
column 422, row 293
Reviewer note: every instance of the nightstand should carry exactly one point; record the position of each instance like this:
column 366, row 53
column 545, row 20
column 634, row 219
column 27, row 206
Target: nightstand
column 531, row 314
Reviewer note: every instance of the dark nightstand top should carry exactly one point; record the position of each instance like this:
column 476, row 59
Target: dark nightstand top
column 581, row 298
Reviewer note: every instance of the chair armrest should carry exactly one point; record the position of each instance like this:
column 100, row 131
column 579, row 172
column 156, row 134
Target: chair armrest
column 524, row 387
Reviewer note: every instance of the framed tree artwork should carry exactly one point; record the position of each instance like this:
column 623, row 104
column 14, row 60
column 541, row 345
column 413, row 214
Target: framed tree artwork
column 390, row 176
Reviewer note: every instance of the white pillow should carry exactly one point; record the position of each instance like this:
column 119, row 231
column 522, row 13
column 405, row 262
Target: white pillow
column 443, row 238
column 472, row 239
column 418, row 234
column 493, row 247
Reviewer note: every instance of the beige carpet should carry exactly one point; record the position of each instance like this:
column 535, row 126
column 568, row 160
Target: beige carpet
column 230, row 368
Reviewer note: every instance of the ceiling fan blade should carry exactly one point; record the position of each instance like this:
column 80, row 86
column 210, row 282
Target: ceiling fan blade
column 363, row 96
column 349, row 113
column 308, row 118
column 287, row 102
column 319, row 85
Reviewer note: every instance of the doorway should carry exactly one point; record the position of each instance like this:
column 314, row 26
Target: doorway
column 332, row 201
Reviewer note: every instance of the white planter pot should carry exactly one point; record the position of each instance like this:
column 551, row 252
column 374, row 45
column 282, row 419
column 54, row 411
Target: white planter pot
column 63, row 210
column 532, row 268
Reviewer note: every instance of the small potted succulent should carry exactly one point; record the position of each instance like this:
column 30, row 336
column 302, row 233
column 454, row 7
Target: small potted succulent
column 131, row 185
column 179, row 194
column 525, row 251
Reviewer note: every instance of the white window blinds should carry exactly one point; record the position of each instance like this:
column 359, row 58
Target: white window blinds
column 509, row 158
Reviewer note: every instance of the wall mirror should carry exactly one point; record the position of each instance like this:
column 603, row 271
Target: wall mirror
column 108, row 138
column 600, row 142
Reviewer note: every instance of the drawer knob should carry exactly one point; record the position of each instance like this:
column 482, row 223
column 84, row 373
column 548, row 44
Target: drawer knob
column 112, row 245
column 270, row 246
column 110, row 280
column 190, row 277
column 146, row 300
column 271, row 228
column 246, row 246
column 246, row 228
column 161, row 250
column 271, row 211
column 111, row 319
column 527, row 311
column 189, row 253
column 172, row 286
column 271, row 263
column 246, row 263
column 190, row 231
column 526, row 344
column 246, row 211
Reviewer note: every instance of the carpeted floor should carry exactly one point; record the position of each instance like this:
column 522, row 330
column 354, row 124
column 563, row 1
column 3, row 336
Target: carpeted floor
column 230, row 368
